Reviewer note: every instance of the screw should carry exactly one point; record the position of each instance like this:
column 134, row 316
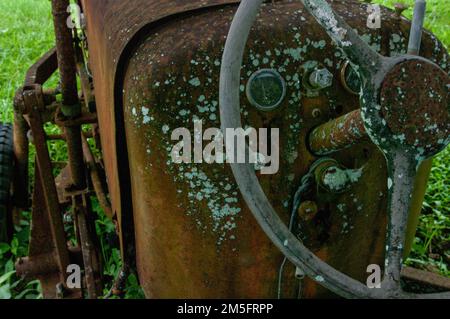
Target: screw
column 335, row 179
column 307, row 210
column 321, row 79
column 316, row 113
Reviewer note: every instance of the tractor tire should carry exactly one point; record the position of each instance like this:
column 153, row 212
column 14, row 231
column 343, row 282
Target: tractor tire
column 6, row 178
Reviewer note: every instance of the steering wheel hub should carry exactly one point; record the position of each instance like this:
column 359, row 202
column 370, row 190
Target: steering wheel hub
column 415, row 105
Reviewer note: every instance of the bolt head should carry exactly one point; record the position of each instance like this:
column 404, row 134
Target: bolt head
column 316, row 113
column 321, row 79
column 307, row 210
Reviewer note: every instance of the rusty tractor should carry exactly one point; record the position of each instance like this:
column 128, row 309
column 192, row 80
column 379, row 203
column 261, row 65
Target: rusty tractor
column 360, row 111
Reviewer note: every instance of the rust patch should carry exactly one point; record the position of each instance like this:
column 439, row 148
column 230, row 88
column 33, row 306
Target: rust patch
column 415, row 104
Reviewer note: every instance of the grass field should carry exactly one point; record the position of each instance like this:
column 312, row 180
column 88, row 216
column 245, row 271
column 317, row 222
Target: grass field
column 26, row 33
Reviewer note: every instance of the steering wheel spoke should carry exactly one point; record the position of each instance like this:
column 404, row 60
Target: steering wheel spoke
column 359, row 52
column 402, row 172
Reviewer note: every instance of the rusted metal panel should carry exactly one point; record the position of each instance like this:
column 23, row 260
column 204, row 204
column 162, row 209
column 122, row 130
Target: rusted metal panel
column 185, row 246
column 176, row 256
column 34, row 101
column 118, row 21
column 420, row 117
column 111, row 25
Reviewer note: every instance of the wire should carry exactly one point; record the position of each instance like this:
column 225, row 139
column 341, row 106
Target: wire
column 306, row 182
column 297, row 200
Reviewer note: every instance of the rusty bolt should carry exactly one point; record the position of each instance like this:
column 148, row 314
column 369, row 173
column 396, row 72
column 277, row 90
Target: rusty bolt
column 335, row 179
column 307, row 210
column 399, row 8
column 316, row 113
column 321, row 79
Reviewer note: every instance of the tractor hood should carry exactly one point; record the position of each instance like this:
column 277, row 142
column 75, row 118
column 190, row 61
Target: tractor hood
column 113, row 26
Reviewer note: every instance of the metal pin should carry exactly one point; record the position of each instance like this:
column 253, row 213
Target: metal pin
column 299, row 273
column 415, row 37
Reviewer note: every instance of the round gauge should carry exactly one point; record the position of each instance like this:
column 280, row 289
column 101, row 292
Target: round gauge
column 266, row 89
column 350, row 79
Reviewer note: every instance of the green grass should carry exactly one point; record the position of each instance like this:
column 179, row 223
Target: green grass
column 437, row 17
column 26, row 32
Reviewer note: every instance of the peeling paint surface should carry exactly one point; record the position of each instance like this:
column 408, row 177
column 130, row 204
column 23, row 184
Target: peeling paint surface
column 172, row 81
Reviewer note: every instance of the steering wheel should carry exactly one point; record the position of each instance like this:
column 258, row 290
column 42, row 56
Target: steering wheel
column 406, row 112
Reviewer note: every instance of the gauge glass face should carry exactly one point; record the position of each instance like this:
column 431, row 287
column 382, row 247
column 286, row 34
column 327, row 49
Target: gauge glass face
column 352, row 79
column 266, row 89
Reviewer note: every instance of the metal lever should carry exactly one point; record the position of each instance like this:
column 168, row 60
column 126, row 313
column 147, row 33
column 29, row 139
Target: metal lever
column 415, row 37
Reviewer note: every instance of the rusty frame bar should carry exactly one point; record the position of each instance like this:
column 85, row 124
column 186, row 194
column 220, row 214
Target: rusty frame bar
column 47, row 180
column 38, row 73
column 426, row 277
column 62, row 137
column 65, row 52
column 41, row 263
column 85, row 79
column 71, row 106
column 21, row 195
column 49, row 254
column 36, row 265
column 73, row 139
column 96, row 179
column 86, row 230
column 85, row 118
column 43, row 69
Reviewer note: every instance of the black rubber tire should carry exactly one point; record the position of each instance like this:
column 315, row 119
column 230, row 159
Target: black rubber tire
column 6, row 176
